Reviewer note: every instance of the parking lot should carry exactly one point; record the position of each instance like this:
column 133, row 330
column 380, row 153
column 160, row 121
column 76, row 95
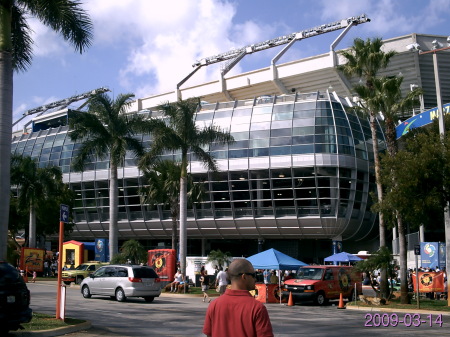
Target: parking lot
column 181, row 315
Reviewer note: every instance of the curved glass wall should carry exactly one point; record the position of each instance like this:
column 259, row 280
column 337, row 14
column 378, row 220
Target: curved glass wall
column 300, row 167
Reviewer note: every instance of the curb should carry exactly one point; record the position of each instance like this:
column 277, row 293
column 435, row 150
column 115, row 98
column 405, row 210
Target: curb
column 410, row 311
column 54, row 332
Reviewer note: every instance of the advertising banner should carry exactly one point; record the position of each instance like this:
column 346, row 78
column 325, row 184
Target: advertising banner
column 429, row 254
column 32, row 259
column 163, row 261
column 429, row 282
column 421, row 119
column 102, row 250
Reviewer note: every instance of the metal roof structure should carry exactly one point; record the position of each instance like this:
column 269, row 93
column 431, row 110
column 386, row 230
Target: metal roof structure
column 320, row 73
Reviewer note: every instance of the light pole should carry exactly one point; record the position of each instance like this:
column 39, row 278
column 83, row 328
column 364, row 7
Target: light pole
column 437, row 47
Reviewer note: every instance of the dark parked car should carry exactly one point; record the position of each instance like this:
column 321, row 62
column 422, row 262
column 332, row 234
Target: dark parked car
column 14, row 299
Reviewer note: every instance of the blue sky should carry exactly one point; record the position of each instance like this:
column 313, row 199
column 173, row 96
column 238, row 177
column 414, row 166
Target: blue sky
column 146, row 47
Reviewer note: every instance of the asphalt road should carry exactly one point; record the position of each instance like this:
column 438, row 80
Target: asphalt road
column 177, row 315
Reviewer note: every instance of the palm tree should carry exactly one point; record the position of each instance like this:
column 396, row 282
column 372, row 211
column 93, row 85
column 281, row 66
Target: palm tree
column 177, row 131
column 132, row 252
column 163, row 180
column 66, row 18
column 106, row 131
column 365, row 59
column 218, row 257
column 34, row 185
column 386, row 96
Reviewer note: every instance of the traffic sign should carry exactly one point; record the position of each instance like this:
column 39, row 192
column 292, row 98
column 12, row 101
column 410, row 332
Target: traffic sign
column 64, row 213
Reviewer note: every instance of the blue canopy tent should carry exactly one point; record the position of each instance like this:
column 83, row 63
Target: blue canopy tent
column 274, row 259
column 342, row 257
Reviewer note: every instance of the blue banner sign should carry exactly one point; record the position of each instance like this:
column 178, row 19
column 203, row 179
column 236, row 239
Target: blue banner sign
column 421, row 119
column 429, row 253
column 102, row 250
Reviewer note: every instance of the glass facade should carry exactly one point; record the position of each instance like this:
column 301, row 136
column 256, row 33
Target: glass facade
column 300, row 167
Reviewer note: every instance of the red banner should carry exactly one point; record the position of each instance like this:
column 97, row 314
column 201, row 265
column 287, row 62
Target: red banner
column 429, row 282
column 163, row 261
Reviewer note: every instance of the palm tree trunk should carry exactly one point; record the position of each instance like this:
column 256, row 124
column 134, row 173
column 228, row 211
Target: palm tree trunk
column 32, row 227
column 183, row 214
column 6, row 103
column 174, row 232
column 403, row 261
column 382, row 228
column 113, row 211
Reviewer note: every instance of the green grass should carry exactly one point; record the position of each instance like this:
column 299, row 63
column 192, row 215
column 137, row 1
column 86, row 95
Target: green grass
column 47, row 322
column 425, row 304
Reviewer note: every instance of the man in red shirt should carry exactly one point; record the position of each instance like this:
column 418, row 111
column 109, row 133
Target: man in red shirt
column 237, row 313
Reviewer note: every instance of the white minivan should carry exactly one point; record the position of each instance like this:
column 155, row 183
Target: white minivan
column 122, row 281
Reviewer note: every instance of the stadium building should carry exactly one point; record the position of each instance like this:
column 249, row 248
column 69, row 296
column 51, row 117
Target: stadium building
column 297, row 178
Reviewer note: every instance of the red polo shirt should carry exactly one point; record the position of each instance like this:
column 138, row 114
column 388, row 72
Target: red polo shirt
column 236, row 314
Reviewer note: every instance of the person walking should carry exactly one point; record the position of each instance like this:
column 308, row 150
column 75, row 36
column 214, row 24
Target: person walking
column 221, row 281
column 237, row 313
column 204, row 282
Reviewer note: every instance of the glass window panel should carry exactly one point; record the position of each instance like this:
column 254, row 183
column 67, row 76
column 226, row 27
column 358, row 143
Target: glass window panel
column 343, row 149
column 56, row 148
column 58, row 142
column 324, row 113
column 47, row 145
column 262, row 110
column 303, row 139
column 260, row 152
column 240, row 135
column 204, row 116
column 54, row 156
column 102, row 165
column 280, row 151
column 303, row 122
column 265, row 133
column 325, row 148
column 301, row 149
column 324, row 129
column 238, row 153
column 261, row 174
column 325, row 139
column 261, row 118
column 283, row 108
column 305, row 106
column 40, row 140
column 223, row 114
column 281, row 132
column 260, row 126
column 239, row 144
column 304, row 114
column 241, row 120
column 242, row 112
column 219, row 154
column 44, row 157
column 67, row 154
column 300, row 131
column 259, row 143
column 323, row 105
column 284, row 125
column 280, row 141
column 64, row 162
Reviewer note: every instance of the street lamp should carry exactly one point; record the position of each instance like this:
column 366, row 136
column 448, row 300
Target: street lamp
column 437, row 47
